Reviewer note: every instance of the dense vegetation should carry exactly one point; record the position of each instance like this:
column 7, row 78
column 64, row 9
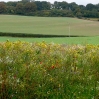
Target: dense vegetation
column 44, row 8
column 48, row 71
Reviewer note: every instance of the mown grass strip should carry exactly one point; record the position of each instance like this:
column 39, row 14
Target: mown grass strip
column 59, row 40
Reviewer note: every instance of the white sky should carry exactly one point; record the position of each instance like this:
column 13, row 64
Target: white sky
column 81, row 2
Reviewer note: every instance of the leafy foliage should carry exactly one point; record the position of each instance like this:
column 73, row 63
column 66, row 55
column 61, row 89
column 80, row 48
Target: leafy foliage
column 2, row 7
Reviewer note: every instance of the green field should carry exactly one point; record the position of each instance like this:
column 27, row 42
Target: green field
column 51, row 26
column 65, row 40
column 48, row 25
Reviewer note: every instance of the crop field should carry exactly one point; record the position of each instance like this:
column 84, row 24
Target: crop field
column 48, row 25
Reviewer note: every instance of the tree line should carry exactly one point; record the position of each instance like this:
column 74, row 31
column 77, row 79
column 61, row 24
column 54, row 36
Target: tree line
column 44, row 8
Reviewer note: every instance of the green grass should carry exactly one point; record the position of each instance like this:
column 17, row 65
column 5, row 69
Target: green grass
column 66, row 40
column 48, row 25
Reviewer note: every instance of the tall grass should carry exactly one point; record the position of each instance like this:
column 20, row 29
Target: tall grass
column 48, row 71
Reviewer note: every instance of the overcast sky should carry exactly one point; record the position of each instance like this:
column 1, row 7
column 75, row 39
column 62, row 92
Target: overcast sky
column 83, row 2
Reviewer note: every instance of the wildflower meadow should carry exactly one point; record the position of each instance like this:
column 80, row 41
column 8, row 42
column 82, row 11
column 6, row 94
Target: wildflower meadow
column 48, row 71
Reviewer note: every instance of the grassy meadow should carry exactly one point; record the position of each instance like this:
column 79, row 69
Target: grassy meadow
column 48, row 25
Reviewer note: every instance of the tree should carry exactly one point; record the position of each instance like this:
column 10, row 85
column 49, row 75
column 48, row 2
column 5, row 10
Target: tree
column 25, row 1
column 46, row 5
column 64, row 5
column 78, row 13
column 97, row 7
column 20, row 8
column 39, row 5
column 10, row 3
column 56, row 5
column 90, row 7
column 73, row 6
column 2, row 7
column 82, row 7
column 11, row 7
column 30, row 7
column 43, row 5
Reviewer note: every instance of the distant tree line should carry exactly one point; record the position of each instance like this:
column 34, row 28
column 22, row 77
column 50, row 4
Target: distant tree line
column 44, row 8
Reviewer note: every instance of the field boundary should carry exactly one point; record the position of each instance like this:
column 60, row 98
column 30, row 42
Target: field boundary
column 36, row 35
